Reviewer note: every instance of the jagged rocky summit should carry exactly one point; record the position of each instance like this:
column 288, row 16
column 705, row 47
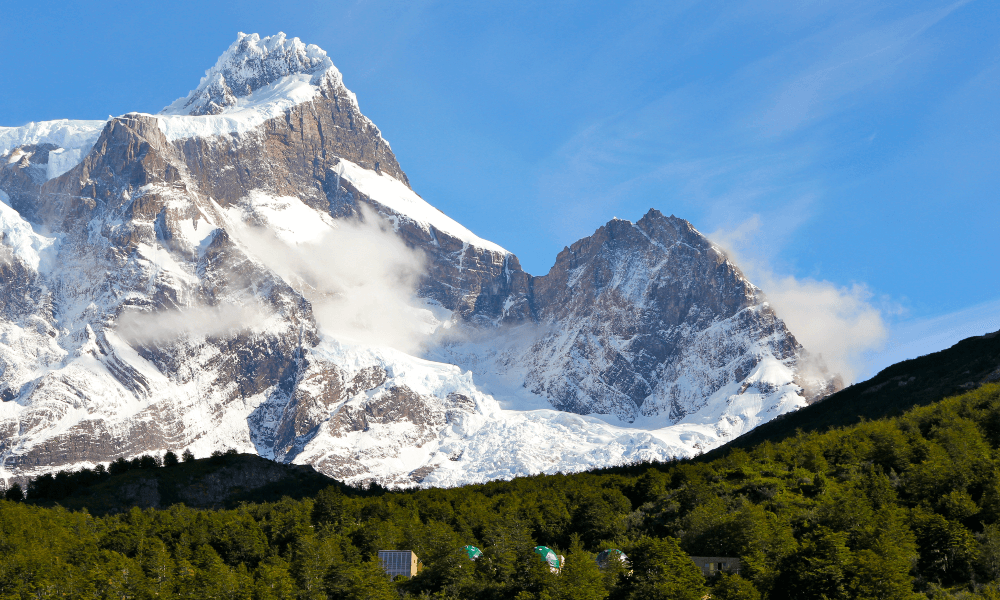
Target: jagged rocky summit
column 191, row 279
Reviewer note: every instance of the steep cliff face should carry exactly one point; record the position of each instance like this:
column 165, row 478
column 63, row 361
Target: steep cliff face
column 154, row 297
column 627, row 309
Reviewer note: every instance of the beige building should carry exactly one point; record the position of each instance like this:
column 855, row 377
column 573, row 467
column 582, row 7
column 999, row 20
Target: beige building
column 399, row 562
column 710, row 565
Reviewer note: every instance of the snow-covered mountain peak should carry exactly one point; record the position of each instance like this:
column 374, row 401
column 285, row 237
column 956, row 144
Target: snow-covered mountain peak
column 250, row 64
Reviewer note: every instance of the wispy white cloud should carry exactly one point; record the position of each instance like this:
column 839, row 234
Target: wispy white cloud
column 748, row 152
column 839, row 325
column 853, row 58
column 359, row 277
column 198, row 321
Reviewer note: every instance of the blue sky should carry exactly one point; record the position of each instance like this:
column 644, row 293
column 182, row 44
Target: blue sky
column 844, row 148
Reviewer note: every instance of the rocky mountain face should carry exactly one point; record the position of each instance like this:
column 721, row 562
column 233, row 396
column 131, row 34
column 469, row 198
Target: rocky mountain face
column 632, row 306
column 152, row 297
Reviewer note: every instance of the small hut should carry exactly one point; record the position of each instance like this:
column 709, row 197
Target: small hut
column 710, row 565
column 399, row 562
column 473, row 552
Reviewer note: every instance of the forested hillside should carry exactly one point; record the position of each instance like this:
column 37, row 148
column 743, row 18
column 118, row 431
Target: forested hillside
column 894, row 390
column 906, row 507
column 225, row 480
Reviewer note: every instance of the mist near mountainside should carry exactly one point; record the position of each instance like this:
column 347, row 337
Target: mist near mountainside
column 167, row 325
column 359, row 276
column 838, row 324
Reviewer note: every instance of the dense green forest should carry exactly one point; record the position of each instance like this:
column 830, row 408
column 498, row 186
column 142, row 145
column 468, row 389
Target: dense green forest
column 906, row 507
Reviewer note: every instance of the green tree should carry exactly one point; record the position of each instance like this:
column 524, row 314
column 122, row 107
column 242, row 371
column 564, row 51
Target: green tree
column 239, row 539
column 509, row 564
column 14, row 493
column 820, row 569
column 727, row 586
column 761, row 539
column 213, row 579
column 170, row 459
column 364, row 580
column 600, row 516
column 273, row 581
column 328, row 508
column 317, row 565
column 661, row 571
column 157, row 565
column 116, row 576
column 947, row 549
column 884, row 551
column 580, row 577
column 988, row 555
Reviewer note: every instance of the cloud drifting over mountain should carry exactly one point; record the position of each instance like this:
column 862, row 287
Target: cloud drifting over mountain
column 358, row 275
column 838, row 324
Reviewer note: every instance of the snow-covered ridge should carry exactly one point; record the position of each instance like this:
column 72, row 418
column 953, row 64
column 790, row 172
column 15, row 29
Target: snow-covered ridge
column 396, row 196
column 256, row 79
column 245, row 114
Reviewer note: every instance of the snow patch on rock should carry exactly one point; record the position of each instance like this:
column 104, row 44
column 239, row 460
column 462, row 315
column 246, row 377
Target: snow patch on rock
column 399, row 198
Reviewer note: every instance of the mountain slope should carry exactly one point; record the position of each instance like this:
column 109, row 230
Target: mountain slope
column 898, row 388
column 251, row 269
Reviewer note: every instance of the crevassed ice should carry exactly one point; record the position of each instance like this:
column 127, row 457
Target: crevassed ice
column 74, row 139
column 19, row 238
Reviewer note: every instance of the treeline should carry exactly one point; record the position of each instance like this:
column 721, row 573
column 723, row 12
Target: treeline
column 65, row 483
column 894, row 508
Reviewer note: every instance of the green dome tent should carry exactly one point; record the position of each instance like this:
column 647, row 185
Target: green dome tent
column 604, row 558
column 473, row 552
column 549, row 555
